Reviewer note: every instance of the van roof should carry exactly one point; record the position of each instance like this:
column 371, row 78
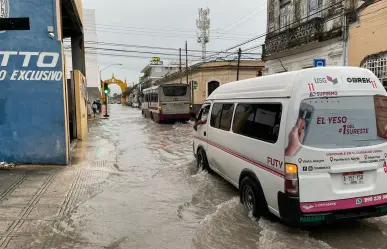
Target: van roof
column 281, row 85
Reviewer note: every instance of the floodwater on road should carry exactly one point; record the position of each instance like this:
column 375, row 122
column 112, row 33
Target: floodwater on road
column 159, row 199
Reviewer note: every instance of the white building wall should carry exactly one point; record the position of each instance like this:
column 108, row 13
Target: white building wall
column 331, row 51
column 92, row 59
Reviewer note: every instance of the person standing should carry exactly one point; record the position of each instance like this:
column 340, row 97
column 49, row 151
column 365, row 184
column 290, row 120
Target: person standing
column 94, row 106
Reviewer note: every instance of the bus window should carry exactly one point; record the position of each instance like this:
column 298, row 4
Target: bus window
column 175, row 90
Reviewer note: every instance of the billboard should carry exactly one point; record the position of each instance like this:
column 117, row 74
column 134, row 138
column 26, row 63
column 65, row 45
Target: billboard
column 32, row 121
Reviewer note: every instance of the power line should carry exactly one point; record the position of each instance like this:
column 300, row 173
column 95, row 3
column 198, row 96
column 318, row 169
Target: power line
column 145, row 57
column 153, row 31
column 244, row 22
column 140, row 52
column 140, row 46
column 240, row 18
column 163, row 29
column 165, row 35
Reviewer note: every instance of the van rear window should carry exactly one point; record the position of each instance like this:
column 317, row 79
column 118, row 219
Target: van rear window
column 343, row 122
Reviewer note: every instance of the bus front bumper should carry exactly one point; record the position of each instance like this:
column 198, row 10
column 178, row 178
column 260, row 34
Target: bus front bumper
column 174, row 116
column 290, row 212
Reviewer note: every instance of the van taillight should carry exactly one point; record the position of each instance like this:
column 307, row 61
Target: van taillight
column 291, row 179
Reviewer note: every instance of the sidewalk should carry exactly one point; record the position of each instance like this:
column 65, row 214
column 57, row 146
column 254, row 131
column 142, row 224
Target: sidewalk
column 36, row 201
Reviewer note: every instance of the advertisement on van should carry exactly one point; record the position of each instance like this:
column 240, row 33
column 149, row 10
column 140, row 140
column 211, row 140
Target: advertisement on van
column 338, row 122
column 345, row 124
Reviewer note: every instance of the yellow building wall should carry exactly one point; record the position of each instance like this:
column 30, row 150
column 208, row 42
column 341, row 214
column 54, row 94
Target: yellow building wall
column 369, row 35
column 223, row 76
column 78, row 3
column 81, row 105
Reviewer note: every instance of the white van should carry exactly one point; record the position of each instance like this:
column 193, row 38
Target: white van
column 308, row 146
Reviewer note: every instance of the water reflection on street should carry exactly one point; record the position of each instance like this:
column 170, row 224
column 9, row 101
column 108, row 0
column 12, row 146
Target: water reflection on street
column 158, row 198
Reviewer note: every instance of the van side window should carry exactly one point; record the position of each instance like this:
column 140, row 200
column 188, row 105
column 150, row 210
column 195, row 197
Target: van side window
column 204, row 112
column 216, row 113
column 221, row 116
column 259, row 121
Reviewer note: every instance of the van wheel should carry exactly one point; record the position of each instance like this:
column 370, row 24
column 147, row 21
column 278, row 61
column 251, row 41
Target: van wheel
column 252, row 197
column 202, row 162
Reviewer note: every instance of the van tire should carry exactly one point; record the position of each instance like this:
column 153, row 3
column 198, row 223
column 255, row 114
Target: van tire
column 252, row 197
column 202, row 161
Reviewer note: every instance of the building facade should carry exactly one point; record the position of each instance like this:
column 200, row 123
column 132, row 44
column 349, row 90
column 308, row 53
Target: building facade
column 299, row 31
column 91, row 49
column 208, row 76
column 152, row 73
column 36, row 128
column 367, row 46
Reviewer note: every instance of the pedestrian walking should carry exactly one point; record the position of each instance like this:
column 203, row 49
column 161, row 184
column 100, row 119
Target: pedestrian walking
column 94, row 106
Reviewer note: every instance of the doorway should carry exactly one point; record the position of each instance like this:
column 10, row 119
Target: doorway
column 71, row 108
column 211, row 86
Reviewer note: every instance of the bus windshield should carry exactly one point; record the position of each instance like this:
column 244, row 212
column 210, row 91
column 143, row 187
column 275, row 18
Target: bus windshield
column 175, row 90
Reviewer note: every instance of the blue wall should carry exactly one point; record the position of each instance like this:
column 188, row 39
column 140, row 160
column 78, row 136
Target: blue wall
column 32, row 124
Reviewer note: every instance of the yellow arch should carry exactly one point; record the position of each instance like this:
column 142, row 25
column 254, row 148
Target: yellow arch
column 120, row 83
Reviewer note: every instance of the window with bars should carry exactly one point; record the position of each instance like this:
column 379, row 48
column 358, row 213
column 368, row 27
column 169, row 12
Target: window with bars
column 285, row 14
column 314, row 8
column 378, row 65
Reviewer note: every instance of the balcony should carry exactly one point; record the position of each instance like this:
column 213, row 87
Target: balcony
column 306, row 32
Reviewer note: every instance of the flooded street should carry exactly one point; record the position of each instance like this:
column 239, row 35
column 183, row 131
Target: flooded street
column 157, row 198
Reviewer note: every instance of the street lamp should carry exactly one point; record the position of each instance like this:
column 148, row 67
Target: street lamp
column 115, row 64
column 100, row 75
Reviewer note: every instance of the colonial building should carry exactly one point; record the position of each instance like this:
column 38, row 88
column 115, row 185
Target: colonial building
column 299, row 31
column 207, row 76
column 155, row 71
column 36, row 128
column 367, row 43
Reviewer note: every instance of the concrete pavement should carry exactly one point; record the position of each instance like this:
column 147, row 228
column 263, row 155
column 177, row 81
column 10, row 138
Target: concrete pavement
column 36, row 201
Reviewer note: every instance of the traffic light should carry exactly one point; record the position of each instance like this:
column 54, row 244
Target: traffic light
column 259, row 73
column 195, row 84
column 106, row 89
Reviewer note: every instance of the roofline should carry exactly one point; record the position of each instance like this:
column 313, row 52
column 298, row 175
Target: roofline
column 166, row 84
column 195, row 67
column 145, row 68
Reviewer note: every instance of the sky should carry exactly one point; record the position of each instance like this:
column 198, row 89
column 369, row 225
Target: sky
column 168, row 24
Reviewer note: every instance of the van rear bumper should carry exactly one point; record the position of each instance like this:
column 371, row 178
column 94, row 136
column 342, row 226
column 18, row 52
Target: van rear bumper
column 290, row 212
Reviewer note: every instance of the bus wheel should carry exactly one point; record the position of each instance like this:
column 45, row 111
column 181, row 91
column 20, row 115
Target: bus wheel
column 252, row 197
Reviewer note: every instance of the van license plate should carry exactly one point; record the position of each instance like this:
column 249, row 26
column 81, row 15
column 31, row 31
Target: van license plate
column 353, row 178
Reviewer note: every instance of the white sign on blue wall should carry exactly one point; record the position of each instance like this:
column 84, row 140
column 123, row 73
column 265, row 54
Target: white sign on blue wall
column 319, row 62
column 32, row 114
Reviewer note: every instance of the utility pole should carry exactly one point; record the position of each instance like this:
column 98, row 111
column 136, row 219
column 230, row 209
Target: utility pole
column 181, row 79
column 203, row 29
column 239, row 61
column 186, row 59
column 106, row 91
